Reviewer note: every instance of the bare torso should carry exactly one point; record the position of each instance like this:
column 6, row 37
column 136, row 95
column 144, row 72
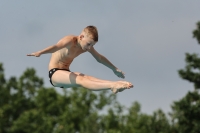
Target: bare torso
column 63, row 58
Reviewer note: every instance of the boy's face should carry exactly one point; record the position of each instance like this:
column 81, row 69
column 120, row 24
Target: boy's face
column 86, row 42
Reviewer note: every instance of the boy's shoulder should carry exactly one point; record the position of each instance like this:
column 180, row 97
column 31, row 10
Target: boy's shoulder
column 68, row 39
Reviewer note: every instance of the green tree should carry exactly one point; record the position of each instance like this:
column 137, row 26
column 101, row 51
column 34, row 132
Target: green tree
column 186, row 112
column 138, row 122
column 113, row 121
column 4, row 103
column 134, row 121
column 26, row 106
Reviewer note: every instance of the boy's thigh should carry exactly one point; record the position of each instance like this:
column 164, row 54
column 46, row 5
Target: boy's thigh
column 65, row 79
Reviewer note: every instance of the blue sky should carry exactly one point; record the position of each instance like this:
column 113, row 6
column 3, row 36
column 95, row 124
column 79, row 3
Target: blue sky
column 145, row 39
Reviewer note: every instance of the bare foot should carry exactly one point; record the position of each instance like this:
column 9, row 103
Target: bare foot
column 130, row 86
column 119, row 86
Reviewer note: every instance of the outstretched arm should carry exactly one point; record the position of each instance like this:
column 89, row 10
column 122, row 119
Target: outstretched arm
column 103, row 60
column 51, row 49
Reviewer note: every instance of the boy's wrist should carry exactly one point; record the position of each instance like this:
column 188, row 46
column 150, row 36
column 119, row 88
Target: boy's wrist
column 39, row 52
column 114, row 69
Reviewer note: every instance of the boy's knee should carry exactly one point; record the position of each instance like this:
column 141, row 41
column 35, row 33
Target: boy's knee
column 81, row 80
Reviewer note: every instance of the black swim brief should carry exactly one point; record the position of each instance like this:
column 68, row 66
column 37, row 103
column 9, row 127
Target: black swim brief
column 52, row 71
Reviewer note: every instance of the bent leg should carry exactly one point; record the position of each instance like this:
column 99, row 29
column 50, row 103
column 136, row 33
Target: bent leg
column 96, row 79
column 91, row 77
column 69, row 79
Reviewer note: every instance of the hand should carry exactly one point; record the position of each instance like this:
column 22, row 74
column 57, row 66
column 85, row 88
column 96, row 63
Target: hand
column 119, row 73
column 37, row 54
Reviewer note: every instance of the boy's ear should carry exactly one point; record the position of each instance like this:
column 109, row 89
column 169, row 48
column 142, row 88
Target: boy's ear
column 81, row 36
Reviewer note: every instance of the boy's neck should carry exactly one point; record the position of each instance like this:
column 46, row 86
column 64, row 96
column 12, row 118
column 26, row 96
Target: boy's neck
column 76, row 41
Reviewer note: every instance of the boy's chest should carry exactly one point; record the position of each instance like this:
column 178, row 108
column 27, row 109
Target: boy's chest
column 73, row 52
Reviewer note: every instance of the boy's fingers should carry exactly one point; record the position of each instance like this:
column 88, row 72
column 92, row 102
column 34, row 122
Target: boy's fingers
column 30, row 54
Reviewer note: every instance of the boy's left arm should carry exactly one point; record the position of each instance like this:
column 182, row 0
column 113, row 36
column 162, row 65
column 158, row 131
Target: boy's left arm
column 103, row 60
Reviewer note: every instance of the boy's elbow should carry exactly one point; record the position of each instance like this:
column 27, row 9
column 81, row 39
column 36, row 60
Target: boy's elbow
column 99, row 59
column 56, row 48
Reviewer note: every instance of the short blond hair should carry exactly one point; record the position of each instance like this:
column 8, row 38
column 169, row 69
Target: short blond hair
column 92, row 31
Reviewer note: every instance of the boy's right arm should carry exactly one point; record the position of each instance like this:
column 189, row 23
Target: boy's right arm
column 51, row 49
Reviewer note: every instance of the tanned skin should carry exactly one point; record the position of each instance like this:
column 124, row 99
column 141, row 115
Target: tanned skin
column 64, row 52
